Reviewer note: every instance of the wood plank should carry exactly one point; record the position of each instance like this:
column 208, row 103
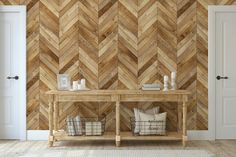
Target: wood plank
column 109, row 92
column 187, row 55
column 170, row 136
column 61, row 135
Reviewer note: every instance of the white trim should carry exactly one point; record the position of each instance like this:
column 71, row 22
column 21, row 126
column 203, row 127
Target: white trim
column 211, row 70
column 192, row 135
column 22, row 65
column 37, row 134
column 212, row 10
column 199, row 135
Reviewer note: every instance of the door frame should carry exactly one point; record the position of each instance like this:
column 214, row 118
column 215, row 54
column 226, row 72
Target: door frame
column 21, row 9
column 212, row 10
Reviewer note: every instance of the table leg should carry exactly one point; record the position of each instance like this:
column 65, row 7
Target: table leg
column 117, row 123
column 184, row 123
column 180, row 117
column 56, row 112
column 51, row 137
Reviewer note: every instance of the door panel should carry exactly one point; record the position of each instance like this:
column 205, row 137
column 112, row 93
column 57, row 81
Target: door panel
column 229, row 36
column 6, row 117
column 9, row 66
column 229, row 109
column 226, row 66
column 5, row 58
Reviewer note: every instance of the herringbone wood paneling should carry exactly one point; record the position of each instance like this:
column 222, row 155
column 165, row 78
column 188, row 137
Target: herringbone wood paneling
column 202, row 63
column 225, row 2
column 108, row 55
column 167, row 50
column 147, row 42
column 10, row 2
column 128, row 44
column 89, row 51
column 186, row 54
column 32, row 64
column 108, row 44
column 49, row 54
column 128, row 53
column 69, row 50
column 88, row 42
column 116, row 44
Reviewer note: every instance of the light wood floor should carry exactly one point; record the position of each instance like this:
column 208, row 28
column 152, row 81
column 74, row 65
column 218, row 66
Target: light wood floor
column 221, row 148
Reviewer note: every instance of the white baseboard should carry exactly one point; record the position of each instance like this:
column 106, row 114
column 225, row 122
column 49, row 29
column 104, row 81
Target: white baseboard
column 199, row 135
column 37, row 134
column 192, row 135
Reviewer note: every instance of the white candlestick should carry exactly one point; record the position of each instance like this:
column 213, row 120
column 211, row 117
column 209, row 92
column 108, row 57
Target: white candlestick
column 173, row 75
column 83, row 83
column 166, row 78
column 75, row 85
column 79, row 86
column 173, row 80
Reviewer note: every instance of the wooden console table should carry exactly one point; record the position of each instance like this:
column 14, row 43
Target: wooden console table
column 117, row 96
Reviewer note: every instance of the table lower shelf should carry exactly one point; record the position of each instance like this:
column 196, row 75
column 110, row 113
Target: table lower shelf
column 61, row 135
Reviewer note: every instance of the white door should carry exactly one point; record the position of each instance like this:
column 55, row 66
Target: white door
column 11, row 37
column 226, row 74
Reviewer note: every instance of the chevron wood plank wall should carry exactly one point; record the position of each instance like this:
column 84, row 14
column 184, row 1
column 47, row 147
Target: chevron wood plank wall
column 167, row 50
column 186, row 54
column 116, row 44
column 108, row 54
column 127, row 53
column 69, row 49
column 33, row 64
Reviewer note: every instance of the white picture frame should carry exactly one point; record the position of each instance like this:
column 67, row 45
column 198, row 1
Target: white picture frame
column 63, row 82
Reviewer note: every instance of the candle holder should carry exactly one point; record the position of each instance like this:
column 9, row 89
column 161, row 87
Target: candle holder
column 173, row 81
column 166, row 78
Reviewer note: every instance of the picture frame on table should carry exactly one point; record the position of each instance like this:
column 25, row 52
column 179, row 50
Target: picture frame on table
column 63, row 82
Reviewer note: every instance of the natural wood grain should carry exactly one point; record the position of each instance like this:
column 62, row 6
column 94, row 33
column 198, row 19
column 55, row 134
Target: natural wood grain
column 33, row 64
column 109, row 92
column 225, row 2
column 167, row 51
column 147, row 42
column 88, row 25
column 128, row 44
column 108, row 44
column 117, row 96
column 118, row 122
column 202, row 63
column 62, row 135
column 108, row 54
column 167, row 37
column 69, row 49
column 110, row 136
column 88, row 42
column 184, row 125
column 9, row 2
column 172, row 136
column 49, row 54
column 50, row 117
column 186, row 54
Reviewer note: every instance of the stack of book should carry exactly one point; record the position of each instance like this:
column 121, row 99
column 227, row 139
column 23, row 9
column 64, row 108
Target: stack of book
column 155, row 86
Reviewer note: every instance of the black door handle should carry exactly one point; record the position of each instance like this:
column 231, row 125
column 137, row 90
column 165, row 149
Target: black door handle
column 220, row 77
column 15, row 78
